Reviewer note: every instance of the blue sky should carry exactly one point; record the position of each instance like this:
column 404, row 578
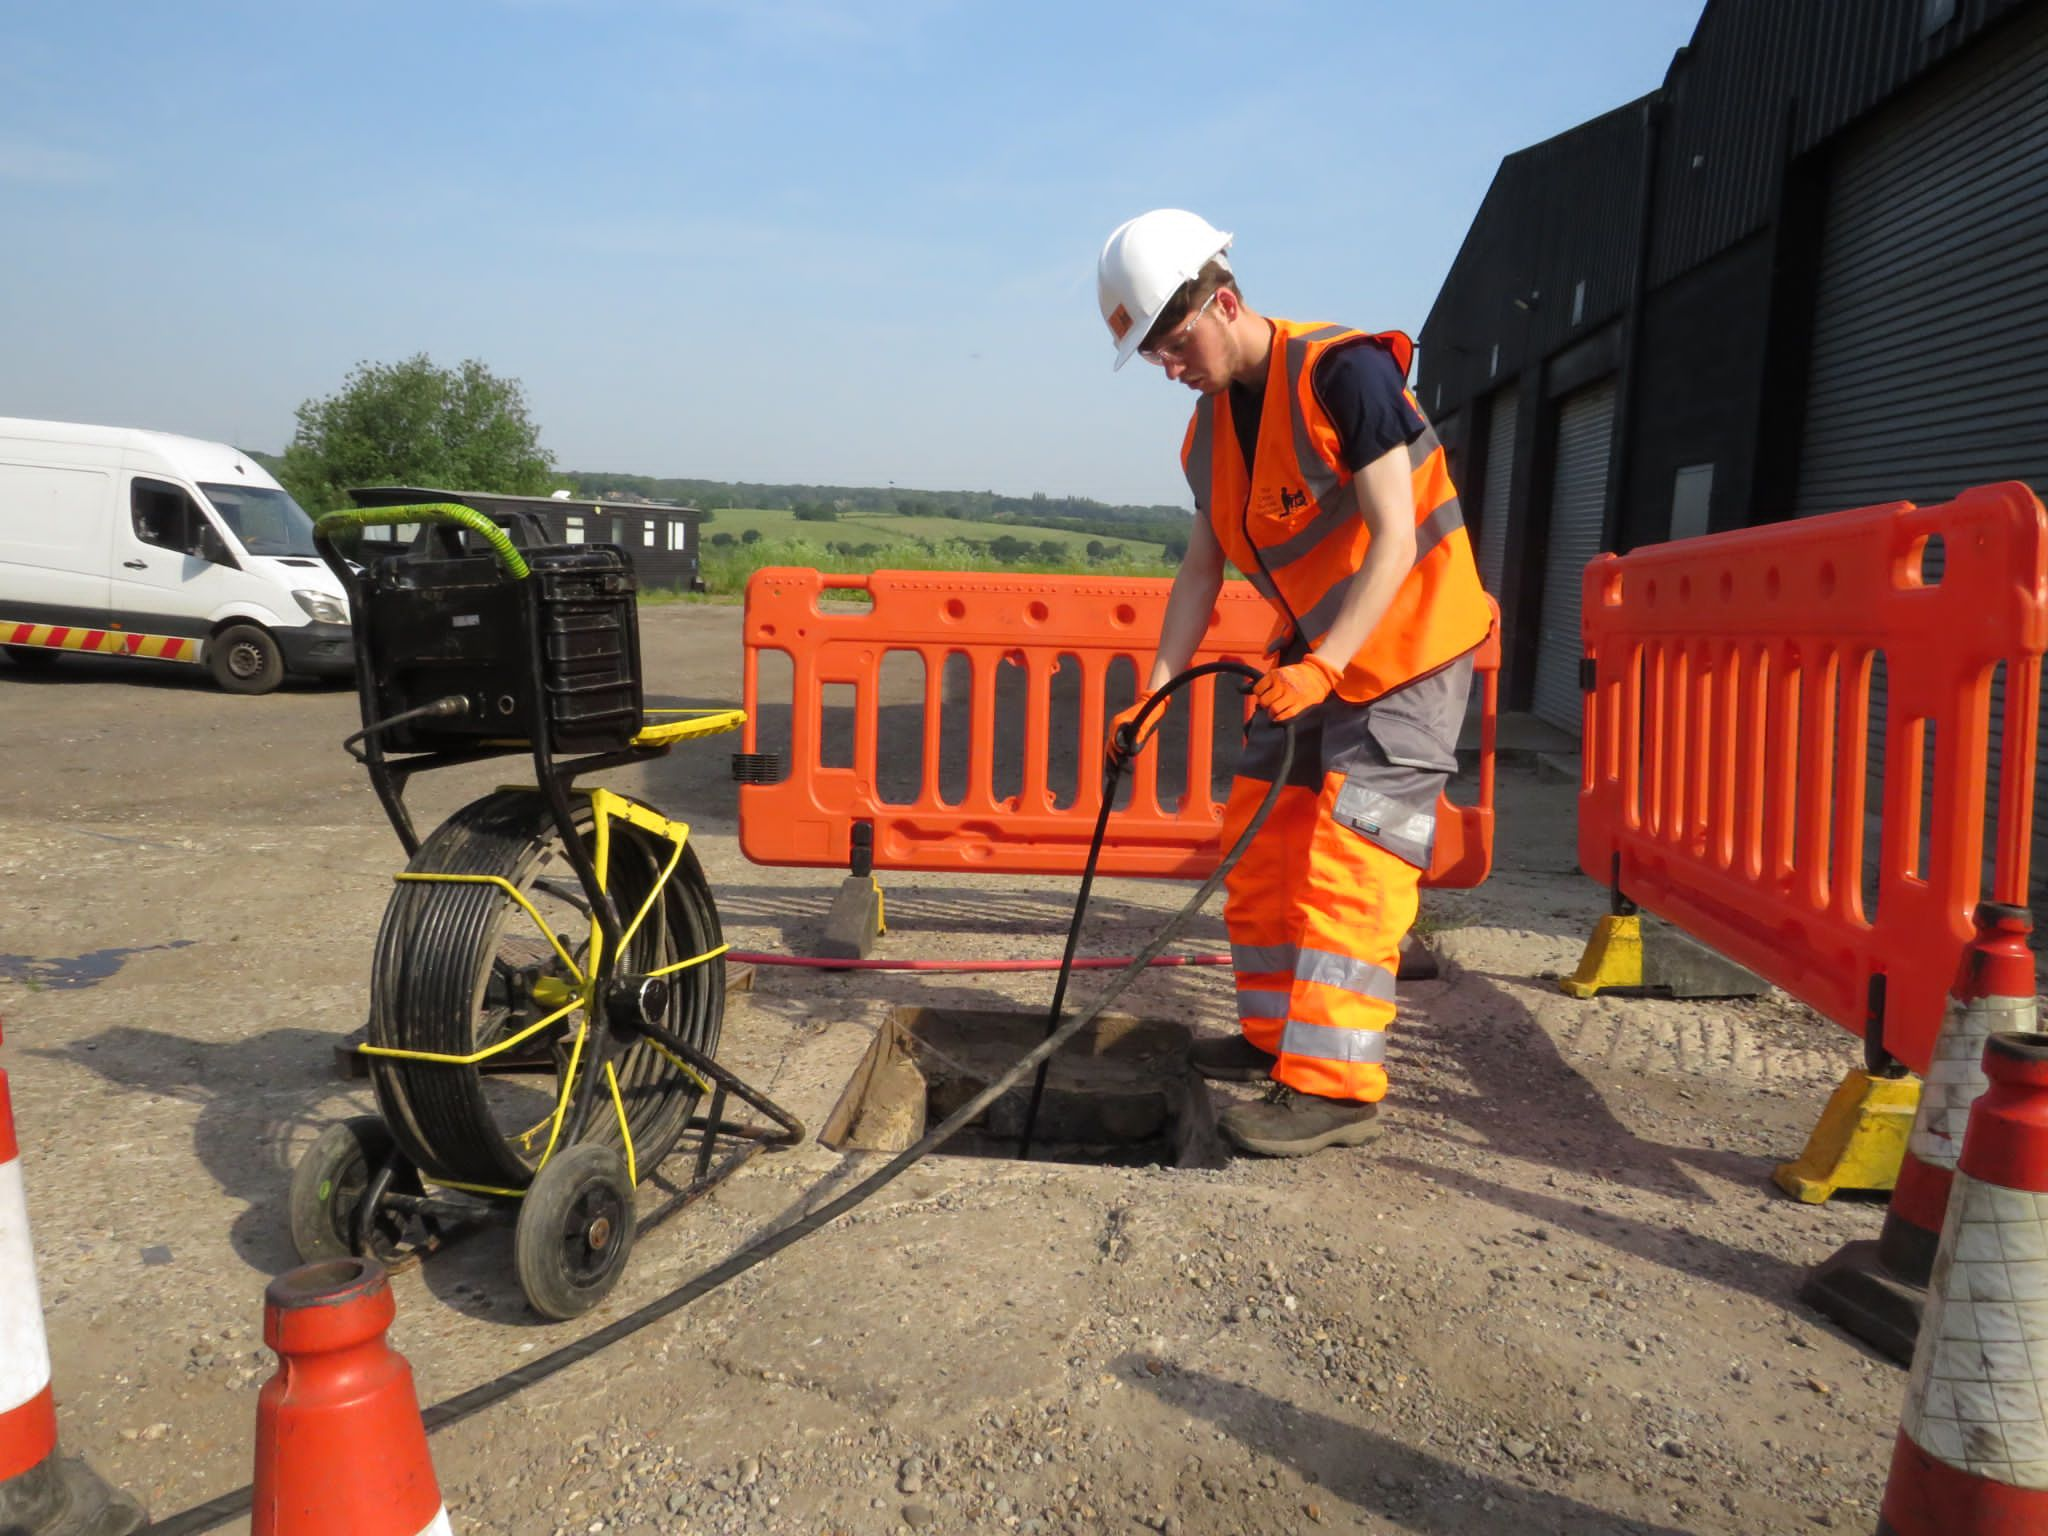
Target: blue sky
column 847, row 241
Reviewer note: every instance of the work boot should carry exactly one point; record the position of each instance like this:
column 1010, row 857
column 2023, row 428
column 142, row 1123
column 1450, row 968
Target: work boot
column 1230, row 1059
column 1290, row 1124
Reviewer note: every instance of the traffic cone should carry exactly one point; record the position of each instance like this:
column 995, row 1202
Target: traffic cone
column 340, row 1449
column 41, row 1493
column 1972, row 1452
column 1876, row 1290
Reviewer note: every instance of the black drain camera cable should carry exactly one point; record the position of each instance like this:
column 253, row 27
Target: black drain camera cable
column 217, row 1512
column 1126, row 751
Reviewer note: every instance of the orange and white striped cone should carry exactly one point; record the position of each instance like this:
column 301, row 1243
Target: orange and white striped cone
column 1972, row 1452
column 41, row 1493
column 340, row 1447
column 1877, row 1290
column 1996, row 997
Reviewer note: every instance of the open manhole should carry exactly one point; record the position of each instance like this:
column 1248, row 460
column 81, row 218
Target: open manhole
column 1119, row 1093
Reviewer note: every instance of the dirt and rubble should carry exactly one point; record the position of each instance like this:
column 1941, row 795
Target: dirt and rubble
column 1559, row 1296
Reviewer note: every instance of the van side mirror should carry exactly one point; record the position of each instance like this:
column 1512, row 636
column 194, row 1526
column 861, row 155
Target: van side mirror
column 213, row 548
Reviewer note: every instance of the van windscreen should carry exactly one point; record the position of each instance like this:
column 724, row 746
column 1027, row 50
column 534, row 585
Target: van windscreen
column 267, row 521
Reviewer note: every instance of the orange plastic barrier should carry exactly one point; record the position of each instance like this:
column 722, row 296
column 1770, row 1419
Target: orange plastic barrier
column 1041, row 625
column 1724, row 783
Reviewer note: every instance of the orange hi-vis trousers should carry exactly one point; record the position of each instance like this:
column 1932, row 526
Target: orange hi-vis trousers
column 1317, row 906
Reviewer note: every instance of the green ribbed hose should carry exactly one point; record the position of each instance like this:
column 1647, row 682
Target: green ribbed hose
column 331, row 523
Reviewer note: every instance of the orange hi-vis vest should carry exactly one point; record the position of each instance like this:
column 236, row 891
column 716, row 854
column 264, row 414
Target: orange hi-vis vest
column 1292, row 524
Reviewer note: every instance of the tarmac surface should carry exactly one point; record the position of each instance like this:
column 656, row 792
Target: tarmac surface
column 1558, row 1296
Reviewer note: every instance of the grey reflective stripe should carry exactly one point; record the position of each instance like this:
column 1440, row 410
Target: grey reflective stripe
column 1420, row 450
column 1263, row 585
column 1261, row 1005
column 1317, row 621
column 1347, row 971
column 1316, row 475
column 1437, row 527
column 1325, row 1042
column 1340, row 506
column 1201, row 465
column 1262, row 957
column 1429, row 533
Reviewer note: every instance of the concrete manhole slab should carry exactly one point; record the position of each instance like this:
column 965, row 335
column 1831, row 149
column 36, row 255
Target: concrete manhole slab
column 1119, row 1093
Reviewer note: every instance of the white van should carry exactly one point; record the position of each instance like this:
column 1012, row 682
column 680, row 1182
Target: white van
column 133, row 543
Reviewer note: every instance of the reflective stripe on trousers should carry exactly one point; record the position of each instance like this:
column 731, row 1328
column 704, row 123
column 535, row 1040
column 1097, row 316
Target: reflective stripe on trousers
column 1316, row 914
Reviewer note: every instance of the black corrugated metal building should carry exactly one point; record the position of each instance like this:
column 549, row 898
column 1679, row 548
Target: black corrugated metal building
column 1808, row 272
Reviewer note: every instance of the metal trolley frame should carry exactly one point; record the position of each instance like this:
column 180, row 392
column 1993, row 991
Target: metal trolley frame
column 587, row 1007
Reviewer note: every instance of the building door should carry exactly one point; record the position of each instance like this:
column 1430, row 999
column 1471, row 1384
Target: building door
column 1500, row 478
column 1578, row 504
column 1931, row 320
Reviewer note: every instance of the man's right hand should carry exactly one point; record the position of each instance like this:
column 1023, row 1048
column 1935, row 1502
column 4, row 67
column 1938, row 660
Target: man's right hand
column 1123, row 743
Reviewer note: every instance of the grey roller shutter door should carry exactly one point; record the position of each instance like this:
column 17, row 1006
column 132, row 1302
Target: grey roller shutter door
column 1929, row 370
column 1578, row 503
column 1500, row 479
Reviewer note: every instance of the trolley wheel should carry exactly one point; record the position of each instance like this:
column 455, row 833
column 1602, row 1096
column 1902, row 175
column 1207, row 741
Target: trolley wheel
column 462, row 966
column 327, row 1190
column 575, row 1230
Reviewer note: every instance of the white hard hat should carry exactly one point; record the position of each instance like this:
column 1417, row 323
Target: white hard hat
column 1144, row 264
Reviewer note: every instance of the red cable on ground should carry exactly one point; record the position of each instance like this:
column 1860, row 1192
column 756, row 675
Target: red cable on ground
column 1093, row 963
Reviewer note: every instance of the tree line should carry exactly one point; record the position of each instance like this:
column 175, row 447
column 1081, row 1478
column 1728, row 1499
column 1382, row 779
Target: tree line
column 823, row 503
column 468, row 429
column 1005, row 548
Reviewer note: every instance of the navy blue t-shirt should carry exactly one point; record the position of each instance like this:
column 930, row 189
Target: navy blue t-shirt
column 1365, row 392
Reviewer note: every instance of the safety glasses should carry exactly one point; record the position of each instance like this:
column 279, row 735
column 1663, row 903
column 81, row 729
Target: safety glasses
column 1172, row 347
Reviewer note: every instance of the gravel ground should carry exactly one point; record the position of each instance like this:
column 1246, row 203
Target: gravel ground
column 1558, row 1296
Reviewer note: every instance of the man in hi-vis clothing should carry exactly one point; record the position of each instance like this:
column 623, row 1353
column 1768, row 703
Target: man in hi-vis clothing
column 1315, row 474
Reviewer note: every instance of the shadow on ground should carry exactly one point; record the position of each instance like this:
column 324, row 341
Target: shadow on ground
column 1499, row 1075
column 258, row 1103
column 1374, row 1473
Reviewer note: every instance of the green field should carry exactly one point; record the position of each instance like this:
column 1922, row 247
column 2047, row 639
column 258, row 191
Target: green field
column 894, row 528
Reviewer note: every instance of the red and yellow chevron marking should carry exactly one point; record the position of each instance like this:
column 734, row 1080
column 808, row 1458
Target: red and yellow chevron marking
column 108, row 642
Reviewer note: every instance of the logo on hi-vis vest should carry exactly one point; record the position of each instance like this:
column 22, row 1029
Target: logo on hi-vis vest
column 1282, row 505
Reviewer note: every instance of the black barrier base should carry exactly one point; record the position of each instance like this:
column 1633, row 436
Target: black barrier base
column 63, row 1497
column 1852, row 1288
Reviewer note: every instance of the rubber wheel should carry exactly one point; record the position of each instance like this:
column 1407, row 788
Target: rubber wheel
column 327, row 1189
column 458, row 967
column 244, row 658
column 32, row 658
column 575, row 1231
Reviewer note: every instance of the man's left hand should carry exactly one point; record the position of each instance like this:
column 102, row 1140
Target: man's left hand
column 1286, row 691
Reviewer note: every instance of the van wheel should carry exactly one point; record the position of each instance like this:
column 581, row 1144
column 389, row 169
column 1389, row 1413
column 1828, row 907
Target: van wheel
column 245, row 659
column 31, row 658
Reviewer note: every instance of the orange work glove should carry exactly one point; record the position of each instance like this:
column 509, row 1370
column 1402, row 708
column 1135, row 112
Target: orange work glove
column 1285, row 692
column 1126, row 721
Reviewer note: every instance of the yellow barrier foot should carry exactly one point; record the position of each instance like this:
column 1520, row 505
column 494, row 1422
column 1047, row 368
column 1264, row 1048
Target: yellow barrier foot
column 1613, row 957
column 855, row 921
column 1653, row 958
column 1859, row 1141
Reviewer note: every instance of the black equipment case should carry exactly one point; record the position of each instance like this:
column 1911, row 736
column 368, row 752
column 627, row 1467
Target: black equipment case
column 557, row 653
